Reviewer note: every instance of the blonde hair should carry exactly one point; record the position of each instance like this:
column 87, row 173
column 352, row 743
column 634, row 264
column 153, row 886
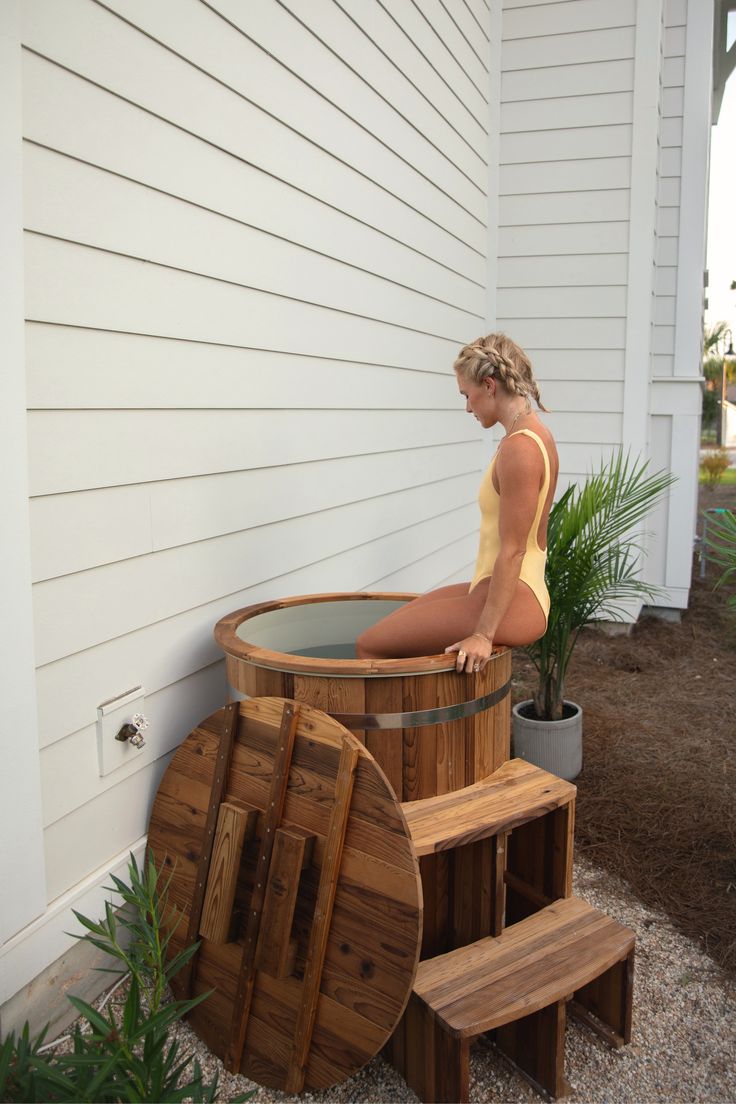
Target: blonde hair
column 498, row 356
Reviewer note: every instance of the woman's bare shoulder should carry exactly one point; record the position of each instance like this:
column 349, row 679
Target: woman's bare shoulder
column 520, row 453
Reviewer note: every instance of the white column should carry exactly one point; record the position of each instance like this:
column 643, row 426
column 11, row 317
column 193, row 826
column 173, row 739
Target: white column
column 684, row 403
column 642, row 224
column 22, row 875
column 694, row 187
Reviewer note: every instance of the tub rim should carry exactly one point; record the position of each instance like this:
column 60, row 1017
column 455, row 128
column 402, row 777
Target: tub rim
column 225, row 633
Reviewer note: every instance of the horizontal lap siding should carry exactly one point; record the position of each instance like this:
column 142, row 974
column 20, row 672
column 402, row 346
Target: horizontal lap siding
column 565, row 173
column 255, row 238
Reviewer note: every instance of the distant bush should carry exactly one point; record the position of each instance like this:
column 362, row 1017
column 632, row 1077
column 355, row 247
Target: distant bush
column 713, row 466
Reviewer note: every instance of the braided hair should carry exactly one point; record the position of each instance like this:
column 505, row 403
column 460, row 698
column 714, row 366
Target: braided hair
column 498, row 356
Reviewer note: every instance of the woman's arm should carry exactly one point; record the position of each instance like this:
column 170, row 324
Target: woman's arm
column 520, row 471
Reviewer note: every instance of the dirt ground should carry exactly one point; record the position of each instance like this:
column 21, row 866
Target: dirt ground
column 657, row 792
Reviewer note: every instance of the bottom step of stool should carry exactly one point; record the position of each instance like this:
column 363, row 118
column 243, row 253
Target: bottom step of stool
column 517, row 985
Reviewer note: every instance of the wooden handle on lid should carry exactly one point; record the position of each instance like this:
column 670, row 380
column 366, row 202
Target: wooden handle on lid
column 234, row 823
column 276, row 952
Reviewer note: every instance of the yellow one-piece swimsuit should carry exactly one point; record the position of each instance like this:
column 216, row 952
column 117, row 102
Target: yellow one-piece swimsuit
column 535, row 558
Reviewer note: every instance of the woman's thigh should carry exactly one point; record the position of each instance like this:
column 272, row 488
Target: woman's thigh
column 454, row 590
column 432, row 622
column 426, row 625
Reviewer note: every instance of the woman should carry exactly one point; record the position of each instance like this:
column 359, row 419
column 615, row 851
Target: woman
column 507, row 600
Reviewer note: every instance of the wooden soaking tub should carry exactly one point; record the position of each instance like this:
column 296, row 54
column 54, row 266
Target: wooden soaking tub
column 430, row 729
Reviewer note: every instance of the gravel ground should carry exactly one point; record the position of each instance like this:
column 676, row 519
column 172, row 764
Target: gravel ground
column 683, row 1047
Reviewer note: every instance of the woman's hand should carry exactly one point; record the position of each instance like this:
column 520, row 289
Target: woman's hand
column 473, row 653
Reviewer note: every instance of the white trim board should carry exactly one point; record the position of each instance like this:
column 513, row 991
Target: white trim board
column 494, row 134
column 694, row 188
column 22, row 872
column 642, row 226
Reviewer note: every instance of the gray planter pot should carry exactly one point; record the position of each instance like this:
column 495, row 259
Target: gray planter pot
column 556, row 746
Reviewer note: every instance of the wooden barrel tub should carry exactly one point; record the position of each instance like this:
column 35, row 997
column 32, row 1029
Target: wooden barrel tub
column 430, row 729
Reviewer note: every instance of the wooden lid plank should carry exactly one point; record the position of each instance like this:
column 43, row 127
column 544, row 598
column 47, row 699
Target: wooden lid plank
column 323, row 915
column 274, row 811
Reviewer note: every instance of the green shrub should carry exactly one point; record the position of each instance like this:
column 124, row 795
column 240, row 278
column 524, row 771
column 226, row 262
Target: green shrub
column 713, row 466
column 124, row 1055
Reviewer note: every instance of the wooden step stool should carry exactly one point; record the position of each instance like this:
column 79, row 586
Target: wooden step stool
column 518, row 984
column 462, row 838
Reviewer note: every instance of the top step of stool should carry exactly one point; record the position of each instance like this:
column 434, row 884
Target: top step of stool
column 513, row 795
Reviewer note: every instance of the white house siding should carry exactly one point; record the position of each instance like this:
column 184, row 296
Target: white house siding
column 592, row 274
column 255, row 236
column 566, row 132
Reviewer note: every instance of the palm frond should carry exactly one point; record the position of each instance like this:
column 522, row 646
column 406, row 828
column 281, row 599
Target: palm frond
column 721, row 543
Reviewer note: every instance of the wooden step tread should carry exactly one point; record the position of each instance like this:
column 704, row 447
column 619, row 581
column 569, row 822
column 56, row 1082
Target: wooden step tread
column 513, row 795
column 531, row 965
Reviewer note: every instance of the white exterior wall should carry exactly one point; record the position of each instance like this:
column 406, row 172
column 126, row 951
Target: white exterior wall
column 252, row 248
column 603, row 158
column 567, row 105
column 254, row 239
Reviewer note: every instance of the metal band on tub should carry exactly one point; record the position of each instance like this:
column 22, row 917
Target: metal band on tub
column 419, row 717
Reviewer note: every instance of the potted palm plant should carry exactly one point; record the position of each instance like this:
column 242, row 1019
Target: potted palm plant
column 593, row 561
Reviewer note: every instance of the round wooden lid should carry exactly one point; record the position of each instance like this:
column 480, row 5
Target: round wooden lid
column 291, row 861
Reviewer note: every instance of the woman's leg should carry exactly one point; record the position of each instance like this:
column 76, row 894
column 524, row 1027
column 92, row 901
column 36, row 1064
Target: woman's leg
column 424, row 626
column 454, row 590
column 432, row 622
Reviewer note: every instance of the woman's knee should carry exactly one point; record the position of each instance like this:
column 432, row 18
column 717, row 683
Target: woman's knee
column 365, row 644
column 378, row 640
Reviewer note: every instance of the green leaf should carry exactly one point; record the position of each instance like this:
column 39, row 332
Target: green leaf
column 180, row 960
column 169, row 1014
column 720, row 540
column 170, row 1058
column 107, row 948
column 6, row 1053
column 132, row 1009
column 94, row 1087
column 92, row 1016
column 49, row 1073
column 91, row 925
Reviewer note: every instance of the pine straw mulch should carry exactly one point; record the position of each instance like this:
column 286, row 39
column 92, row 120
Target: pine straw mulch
column 657, row 792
